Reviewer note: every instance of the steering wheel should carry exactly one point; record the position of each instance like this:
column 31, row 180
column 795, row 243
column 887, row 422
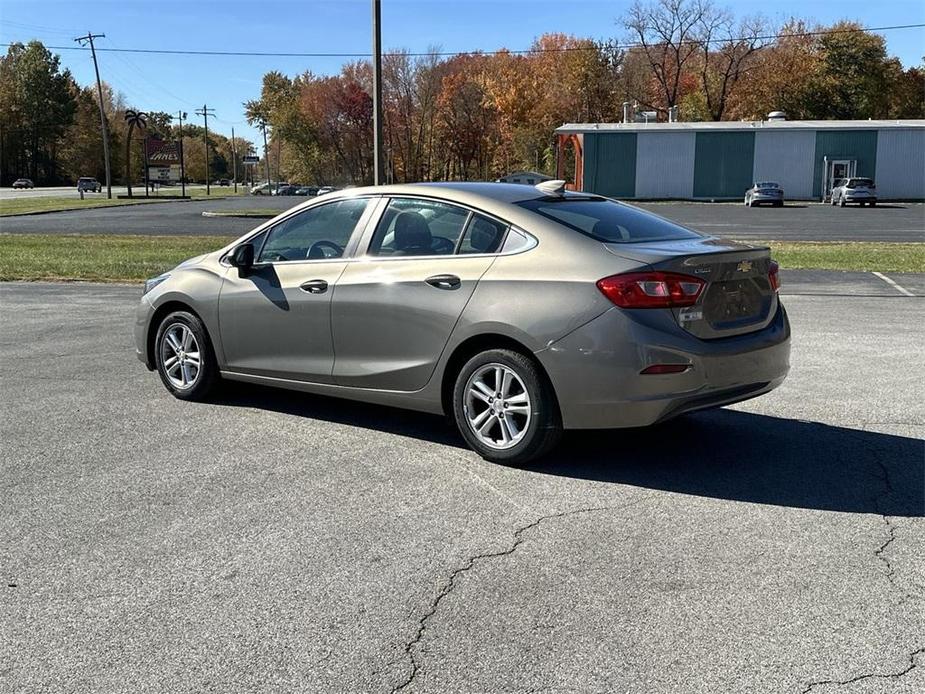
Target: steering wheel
column 319, row 250
column 439, row 244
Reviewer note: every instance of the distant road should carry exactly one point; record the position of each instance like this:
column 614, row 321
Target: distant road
column 795, row 222
column 57, row 191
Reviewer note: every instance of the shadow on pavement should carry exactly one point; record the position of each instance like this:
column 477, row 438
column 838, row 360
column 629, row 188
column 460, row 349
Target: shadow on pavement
column 723, row 454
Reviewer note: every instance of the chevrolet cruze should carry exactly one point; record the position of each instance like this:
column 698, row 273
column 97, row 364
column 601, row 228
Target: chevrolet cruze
column 518, row 311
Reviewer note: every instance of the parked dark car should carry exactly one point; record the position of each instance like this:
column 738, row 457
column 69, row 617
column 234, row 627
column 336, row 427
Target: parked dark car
column 23, row 183
column 88, row 184
column 863, row 191
column 310, row 191
column 288, row 190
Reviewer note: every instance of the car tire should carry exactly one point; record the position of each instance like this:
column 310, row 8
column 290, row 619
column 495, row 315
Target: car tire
column 873, row 203
column 201, row 382
column 531, row 432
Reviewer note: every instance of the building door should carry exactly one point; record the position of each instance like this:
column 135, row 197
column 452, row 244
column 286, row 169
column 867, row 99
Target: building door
column 837, row 170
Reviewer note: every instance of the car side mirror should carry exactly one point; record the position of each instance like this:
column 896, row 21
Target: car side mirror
column 243, row 257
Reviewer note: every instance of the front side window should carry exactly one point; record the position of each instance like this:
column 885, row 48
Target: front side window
column 416, row 227
column 318, row 233
column 607, row 221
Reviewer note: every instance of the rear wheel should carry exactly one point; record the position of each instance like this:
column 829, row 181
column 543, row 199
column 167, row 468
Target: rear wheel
column 184, row 357
column 873, row 203
column 504, row 407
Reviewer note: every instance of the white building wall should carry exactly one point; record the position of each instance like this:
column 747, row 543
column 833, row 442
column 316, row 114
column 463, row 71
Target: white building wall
column 665, row 165
column 901, row 164
column 787, row 157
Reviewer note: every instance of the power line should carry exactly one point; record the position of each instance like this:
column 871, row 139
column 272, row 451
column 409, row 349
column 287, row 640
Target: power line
column 525, row 51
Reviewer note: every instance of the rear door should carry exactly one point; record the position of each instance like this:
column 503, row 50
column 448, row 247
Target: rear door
column 394, row 309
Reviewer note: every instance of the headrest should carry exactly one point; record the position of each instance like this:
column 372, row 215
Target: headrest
column 484, row 236
column 412, row 232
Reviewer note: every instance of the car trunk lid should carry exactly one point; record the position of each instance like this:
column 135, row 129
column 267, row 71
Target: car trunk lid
column 738, row 297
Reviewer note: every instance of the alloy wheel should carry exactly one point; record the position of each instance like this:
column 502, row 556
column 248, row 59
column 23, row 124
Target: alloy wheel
column 497, row 406
column 181, row 356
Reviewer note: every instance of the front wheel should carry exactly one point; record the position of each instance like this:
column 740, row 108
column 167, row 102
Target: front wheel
column 184, row 357
column 505, row 408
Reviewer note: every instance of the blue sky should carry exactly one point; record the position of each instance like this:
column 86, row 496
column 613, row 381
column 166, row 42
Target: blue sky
column 169, row 83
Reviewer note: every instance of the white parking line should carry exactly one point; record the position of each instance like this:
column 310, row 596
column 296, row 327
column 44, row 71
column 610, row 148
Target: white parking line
column 901, row 290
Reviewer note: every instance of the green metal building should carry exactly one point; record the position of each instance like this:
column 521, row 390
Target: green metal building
column 720, row 161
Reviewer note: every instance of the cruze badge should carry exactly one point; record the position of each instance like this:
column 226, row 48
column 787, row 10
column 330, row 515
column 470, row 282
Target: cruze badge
column 744, row 266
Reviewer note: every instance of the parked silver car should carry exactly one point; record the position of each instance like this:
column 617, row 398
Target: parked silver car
column 519, row 311
column 23, row 183
column 849, row 190
column 765, row 192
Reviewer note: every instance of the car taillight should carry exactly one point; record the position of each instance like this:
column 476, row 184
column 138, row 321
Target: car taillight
column 774, row 276
column 652, row 289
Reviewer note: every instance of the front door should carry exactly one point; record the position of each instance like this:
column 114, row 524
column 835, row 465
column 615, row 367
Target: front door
column 839, row 170
column 395, row 309
column 275, row 320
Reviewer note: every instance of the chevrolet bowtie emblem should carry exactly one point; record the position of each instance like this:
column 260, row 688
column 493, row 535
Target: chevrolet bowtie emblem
column 744, row 266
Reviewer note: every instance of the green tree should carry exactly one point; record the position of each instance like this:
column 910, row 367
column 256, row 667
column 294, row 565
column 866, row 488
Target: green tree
column 37, row 104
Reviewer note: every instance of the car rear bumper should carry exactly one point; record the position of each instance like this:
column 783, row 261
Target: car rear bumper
column 860, row 198
column 596, row 369
column 766, row 198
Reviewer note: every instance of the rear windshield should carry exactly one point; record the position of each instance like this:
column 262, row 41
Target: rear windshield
column 855, row 182
column 607, row 221
column 767, row 184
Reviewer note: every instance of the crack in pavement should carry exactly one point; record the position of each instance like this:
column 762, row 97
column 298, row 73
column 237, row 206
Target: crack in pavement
column 450, row 584
column 873, row 675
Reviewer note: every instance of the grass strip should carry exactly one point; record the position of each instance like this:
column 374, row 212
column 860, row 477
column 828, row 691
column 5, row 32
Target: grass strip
column 858, row 256
column 117, row 258
column 99, row 258
column 63, row 203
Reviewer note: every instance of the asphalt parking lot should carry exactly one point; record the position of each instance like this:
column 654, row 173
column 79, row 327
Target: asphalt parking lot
column 794, row 222
column 283, row 542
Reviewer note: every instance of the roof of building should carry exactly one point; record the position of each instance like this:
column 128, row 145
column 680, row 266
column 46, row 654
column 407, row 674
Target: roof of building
column 569, row 128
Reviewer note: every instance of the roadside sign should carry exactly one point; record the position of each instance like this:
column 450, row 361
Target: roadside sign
column 250, row 159
column 166, row 174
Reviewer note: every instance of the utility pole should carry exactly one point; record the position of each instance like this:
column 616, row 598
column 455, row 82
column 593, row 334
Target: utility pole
column 205, row 112
column 266, row 151
column 99, row 88
column 234, row 161
column 378, row 177
column 182, row 115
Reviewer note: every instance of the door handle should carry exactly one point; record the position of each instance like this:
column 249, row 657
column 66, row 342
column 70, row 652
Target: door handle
column 314, row 286
column 444, row 281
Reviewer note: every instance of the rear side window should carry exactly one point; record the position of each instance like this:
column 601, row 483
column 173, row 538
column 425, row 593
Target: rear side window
column 608, row 221
column 855, row 182
column 483, row 235
column 412, row 227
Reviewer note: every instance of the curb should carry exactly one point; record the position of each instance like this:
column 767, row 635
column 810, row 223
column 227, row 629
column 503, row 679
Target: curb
column 239, row 216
